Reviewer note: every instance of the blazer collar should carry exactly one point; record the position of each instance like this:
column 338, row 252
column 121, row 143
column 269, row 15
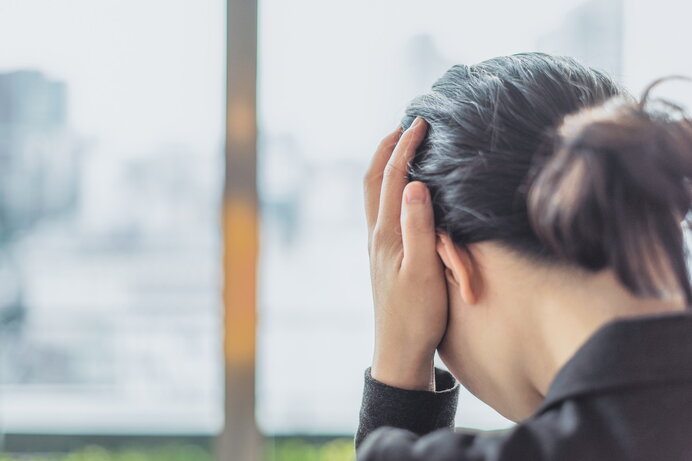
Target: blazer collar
column 627, row 352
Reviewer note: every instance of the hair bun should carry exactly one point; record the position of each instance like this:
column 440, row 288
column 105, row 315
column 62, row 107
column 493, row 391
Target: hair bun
column 615, row 191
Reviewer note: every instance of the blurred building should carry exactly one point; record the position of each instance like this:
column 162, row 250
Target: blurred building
column 109, row 296
column 38, row 168
column 38, row 157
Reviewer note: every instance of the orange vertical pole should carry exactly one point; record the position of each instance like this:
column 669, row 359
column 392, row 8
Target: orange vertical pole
column 240, row 439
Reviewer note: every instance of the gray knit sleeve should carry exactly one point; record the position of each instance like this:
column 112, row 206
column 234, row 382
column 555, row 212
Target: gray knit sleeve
column 420, row 412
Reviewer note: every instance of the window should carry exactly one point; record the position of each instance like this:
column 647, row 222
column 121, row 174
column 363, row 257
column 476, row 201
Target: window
column 111, row 147
column 111, row 171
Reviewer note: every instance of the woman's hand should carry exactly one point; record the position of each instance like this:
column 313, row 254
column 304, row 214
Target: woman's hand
column 408, row 285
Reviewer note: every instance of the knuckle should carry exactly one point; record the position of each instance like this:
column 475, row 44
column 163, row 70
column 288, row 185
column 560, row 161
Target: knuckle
column 392, row 170
column 386, row 144
column 414, row 274
column 382, row 240
column 366, row 181
column 378, row 236
column 370, row 177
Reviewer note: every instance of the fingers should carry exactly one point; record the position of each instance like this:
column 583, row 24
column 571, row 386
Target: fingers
column 394, row 177
column 372, row 183
column 418, row 226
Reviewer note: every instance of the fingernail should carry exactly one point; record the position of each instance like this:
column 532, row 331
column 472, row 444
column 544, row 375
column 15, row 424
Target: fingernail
column 416, row 122
column 415, row 195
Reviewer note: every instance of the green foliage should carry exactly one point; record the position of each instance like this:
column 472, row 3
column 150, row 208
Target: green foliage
column 301, row 450
column 174, row 452
column 284, row 450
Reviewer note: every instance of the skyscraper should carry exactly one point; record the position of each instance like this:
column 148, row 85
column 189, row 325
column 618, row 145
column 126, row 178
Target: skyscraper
column 38, row 164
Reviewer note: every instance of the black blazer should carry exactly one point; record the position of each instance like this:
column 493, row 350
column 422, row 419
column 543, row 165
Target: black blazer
column 626, row 394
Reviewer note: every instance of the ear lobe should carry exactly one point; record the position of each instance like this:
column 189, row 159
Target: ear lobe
column 460, row 264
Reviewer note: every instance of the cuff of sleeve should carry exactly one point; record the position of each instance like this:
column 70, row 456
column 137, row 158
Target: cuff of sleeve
column 415, row 410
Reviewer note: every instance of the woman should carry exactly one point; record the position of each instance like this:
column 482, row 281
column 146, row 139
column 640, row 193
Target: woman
column 528, row 227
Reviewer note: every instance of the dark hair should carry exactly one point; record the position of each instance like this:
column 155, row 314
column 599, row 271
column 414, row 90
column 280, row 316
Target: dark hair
column 556, row 161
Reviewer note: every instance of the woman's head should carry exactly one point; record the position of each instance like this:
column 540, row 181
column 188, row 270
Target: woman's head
column 545, row 174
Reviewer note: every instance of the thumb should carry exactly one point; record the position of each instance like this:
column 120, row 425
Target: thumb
column 418, row 225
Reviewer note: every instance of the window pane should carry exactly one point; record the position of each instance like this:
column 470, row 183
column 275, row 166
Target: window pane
column 111, row 146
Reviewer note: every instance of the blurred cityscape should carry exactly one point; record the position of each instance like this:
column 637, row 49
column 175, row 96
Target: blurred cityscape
column 109, row 275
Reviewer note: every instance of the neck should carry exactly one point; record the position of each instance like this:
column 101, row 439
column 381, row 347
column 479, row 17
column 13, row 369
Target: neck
column 570, row 310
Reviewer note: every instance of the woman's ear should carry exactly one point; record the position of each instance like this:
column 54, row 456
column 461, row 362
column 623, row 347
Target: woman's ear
column 459, row 268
